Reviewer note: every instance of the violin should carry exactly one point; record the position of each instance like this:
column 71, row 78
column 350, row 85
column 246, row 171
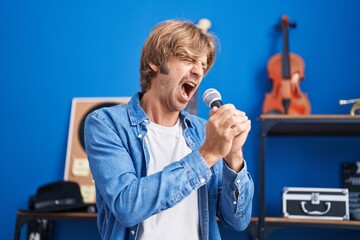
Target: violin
column 286, row 70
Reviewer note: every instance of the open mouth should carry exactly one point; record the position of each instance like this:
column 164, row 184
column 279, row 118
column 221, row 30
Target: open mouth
column 188, row 88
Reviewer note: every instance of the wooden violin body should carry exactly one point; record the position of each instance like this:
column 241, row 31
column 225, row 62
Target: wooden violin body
column 286, row 70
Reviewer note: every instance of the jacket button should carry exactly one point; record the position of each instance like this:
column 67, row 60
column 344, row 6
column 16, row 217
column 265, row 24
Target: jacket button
column 139, row 136
column 132, row 232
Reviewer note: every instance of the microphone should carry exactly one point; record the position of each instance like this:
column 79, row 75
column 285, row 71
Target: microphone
column 212, row 98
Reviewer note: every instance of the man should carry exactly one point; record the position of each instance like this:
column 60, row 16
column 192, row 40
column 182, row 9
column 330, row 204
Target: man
column 161, row 173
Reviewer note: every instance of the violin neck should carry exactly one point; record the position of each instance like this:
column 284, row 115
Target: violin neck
column 285, row 54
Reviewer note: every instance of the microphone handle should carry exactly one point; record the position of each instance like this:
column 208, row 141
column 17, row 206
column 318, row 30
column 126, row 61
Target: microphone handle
column 217, row 103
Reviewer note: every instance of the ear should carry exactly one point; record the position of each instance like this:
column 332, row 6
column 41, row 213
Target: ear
column 154, row 67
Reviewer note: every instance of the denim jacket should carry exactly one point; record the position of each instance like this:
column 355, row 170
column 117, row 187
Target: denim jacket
column 125, row 195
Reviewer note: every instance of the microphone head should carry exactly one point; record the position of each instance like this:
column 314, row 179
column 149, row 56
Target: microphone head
column 211, row 95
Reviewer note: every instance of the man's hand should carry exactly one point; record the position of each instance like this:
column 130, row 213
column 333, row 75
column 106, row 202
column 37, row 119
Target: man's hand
column 226, row 133
column 234, row 158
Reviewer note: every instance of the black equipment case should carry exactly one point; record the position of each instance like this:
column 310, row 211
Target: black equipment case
column 316, row 203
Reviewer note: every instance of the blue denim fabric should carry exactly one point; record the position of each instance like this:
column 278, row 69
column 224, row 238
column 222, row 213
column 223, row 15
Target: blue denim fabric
column 125, row 196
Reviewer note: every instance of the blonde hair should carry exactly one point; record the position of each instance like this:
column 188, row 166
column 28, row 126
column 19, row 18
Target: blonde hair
column 174, row 38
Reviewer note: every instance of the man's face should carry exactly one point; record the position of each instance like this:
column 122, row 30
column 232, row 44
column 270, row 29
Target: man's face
column 178, row 81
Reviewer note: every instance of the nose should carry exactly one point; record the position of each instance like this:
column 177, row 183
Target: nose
column 197, row 69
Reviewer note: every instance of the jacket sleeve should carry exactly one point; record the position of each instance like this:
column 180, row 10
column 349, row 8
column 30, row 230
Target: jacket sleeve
column 235, row 200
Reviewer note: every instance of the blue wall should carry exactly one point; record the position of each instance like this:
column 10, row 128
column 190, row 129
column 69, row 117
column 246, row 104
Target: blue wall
column 52, row 51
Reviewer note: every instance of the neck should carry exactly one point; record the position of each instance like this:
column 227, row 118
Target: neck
column 156, row 112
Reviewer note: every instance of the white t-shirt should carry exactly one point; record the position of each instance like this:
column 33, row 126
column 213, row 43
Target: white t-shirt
column 181, row 222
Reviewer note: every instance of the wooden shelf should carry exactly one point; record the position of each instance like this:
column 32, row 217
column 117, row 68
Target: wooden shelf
column 310, row 125
column 310, row 116
column 60, row 215
column 24, row 217
column 307, row 221
column 274, row 223
column 294, row 221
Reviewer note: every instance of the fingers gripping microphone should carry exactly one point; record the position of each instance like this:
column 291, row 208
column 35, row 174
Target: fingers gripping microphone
column 212, row 98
